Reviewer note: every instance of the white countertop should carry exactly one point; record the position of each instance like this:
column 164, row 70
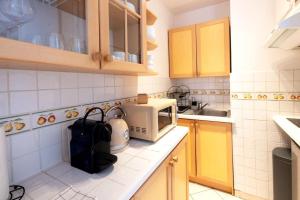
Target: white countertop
column 134, row 166
column 207, row 118
column 288, row 127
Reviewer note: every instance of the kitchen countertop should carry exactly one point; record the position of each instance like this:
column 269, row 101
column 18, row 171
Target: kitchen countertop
column 288, row 127
column 120, row 182
column 206, row 118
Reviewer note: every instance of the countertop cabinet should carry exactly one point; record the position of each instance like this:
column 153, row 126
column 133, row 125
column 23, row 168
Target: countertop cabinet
column 107, row 36
column 200, row 50
column 210, row 153
column 170, row 180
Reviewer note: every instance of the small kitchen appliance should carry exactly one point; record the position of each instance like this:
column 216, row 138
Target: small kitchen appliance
column 120, row 131
column 90, row 144
column 152, row 120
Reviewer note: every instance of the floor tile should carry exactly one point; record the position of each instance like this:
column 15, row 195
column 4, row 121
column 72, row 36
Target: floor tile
column 195, row 188
column 227, row 196
column 207, row 195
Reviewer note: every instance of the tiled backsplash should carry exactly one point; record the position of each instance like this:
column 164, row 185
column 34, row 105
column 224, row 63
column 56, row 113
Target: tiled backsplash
column 255, row 99
column 27, row 96
column 213, row 90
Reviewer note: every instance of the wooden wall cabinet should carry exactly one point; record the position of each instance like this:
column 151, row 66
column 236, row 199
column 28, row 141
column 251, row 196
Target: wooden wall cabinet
column 212, row 151
column 170, row 180
column 200, row 50
column 107, row 36
column 182, row 52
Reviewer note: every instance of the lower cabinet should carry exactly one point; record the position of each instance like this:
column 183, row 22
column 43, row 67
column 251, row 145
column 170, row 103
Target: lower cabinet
column 211, row 148
column 170, row 180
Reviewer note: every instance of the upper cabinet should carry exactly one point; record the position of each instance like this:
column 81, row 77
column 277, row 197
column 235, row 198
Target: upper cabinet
column 213, row 48
column 182, row 52
column 123, row 35
column 49, row 34
column 205, row 51
column 106, row 36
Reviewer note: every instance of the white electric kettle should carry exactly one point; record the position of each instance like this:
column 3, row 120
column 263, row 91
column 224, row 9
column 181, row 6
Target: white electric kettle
column 4, row 186
column 120, row 131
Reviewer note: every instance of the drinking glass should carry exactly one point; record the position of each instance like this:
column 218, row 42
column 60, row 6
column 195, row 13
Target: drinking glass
column 56, row 41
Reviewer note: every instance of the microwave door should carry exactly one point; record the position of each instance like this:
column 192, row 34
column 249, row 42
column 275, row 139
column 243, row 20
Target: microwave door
column 164, row 118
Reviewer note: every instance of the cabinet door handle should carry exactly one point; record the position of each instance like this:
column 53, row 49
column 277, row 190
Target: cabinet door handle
column 171, row 163
column 108, row 58
column 175, row 159
column 96, row 56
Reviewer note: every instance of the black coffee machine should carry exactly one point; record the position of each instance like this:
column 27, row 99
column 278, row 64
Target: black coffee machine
column 90, row 144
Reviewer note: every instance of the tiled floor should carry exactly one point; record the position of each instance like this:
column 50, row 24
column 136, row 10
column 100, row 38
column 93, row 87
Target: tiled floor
column 199, row 192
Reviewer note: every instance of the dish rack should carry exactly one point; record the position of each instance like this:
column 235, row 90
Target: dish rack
column 181, row 94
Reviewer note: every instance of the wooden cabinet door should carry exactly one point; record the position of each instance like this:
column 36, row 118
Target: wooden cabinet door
column 214, row 155
column 157, row 185
column 179, row 172
column 123, row 37
column 213, row 48
column 191, row 145
column 60, row 36
column 182, row 52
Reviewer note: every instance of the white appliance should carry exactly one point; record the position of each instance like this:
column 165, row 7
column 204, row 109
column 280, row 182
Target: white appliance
column 152, row 120
column 287, row 33
column 4, row 183
column 120, row 131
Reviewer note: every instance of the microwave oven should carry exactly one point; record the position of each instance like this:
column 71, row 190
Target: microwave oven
column 152, row 120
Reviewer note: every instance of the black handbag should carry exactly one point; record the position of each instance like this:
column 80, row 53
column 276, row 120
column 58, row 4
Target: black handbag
column 90, row 144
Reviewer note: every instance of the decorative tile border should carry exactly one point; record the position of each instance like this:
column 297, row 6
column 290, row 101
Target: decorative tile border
column 265, row 96
column 27, row 122
column 209, row 92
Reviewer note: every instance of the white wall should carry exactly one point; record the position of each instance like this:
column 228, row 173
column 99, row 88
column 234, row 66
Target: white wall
column 204, row 14
column 257, row 70
column 251, row 23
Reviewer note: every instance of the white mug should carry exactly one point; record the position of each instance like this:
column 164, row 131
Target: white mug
column 151, row 33
column 119, row 55
column 133, row 58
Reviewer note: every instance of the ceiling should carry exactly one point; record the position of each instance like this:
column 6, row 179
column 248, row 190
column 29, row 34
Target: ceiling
column 179, row 6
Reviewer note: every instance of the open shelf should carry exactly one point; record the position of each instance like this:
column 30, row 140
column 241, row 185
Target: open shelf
column 151, row 45
column 151, row 18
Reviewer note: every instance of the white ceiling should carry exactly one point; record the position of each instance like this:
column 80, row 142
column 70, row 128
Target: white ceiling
column 179, row 6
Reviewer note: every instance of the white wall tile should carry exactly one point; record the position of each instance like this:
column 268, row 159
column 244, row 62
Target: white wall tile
column 286, row 106
column 119, row 92
column 48, row 80
column 286, row 86
column 22, row 80
column 68, row 80
column 85, row 95
column 296, row 86
column 3, row 80
column 23, row 102
column 272, row 86
column 297, row 75
column 29, row 163
column 4, row 104
column 50, row 136
column 49, row 99
column 51, row 156
column 85, row 80
column 98, row 80
column 109, row 93
column 98, row 94
column 24, row 143
column 69, row 97
column 119, row 80
column 109, row 80
column 286, row 75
